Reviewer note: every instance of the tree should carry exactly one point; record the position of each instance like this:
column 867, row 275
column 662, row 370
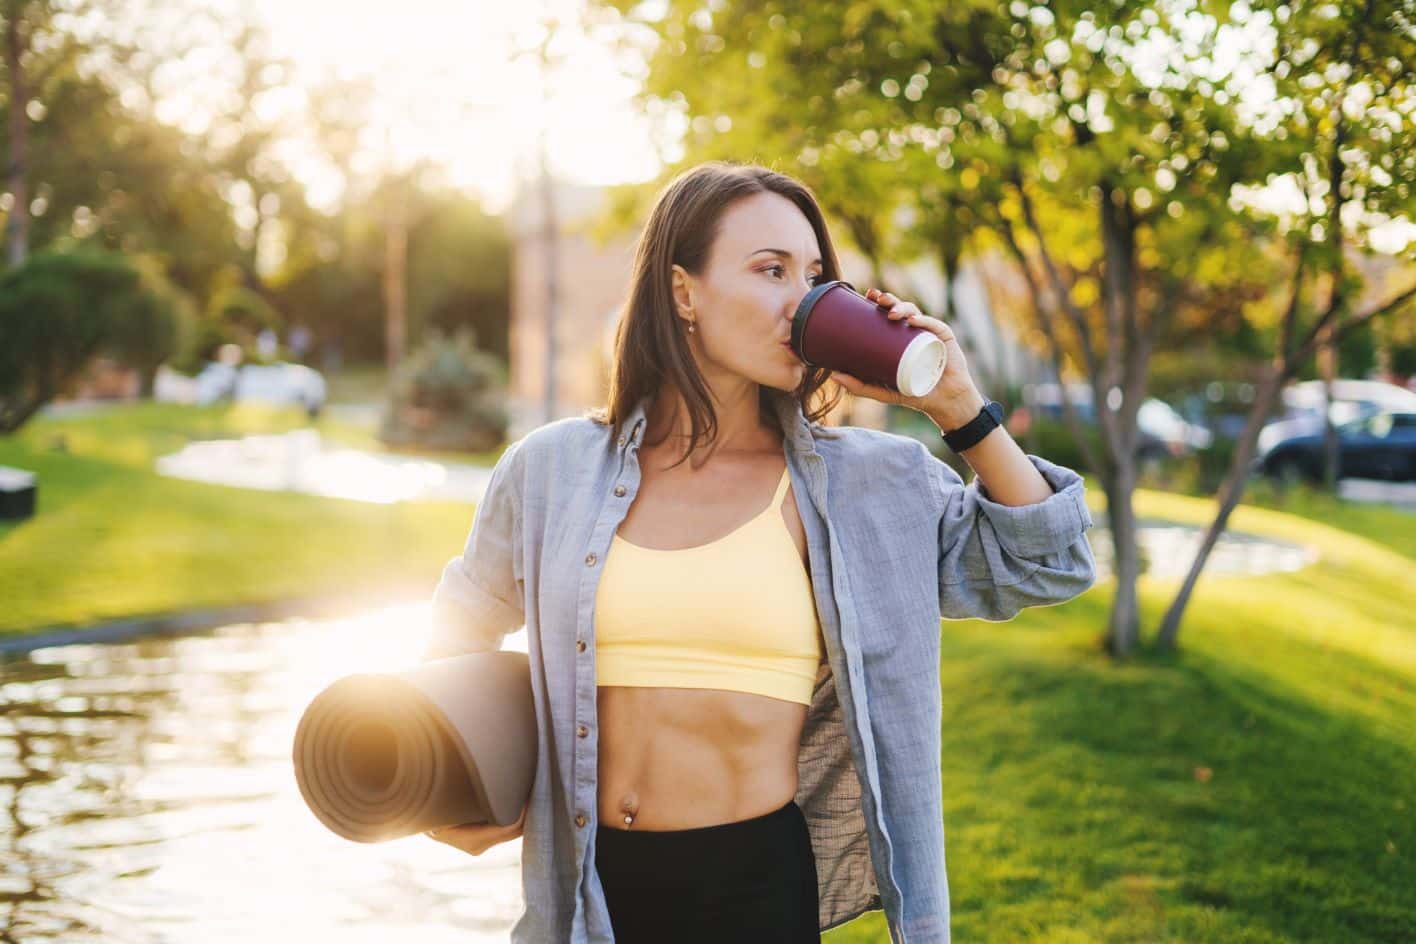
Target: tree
column 60, row 309
column 1343, row 78
column 1053, row 132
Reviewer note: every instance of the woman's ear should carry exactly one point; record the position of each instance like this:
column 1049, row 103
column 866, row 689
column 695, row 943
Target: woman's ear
column 682, row 288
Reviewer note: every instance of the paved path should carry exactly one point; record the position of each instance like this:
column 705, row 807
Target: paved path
column 1400, row 495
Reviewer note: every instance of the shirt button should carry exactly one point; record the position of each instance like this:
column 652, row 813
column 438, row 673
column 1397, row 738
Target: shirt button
column 621, row 440
column 581, row 730
column 580, row 819
column 619, row 490
column 590, row 559
column 580, row 645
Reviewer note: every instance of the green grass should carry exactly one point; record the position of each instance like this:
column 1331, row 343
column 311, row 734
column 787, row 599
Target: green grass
column 1258, row 786
column 1395, row 528
column 111, row 538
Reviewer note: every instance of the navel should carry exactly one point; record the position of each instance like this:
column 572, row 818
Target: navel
column 629, row 806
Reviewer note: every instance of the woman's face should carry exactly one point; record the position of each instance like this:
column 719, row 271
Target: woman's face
column 763, row 261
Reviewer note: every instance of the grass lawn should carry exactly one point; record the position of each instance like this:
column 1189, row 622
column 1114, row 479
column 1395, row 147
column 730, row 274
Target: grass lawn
column 112, row 538
column 1259, row 786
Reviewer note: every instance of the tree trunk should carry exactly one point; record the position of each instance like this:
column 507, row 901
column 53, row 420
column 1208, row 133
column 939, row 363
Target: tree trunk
column 17, row 223
column 1123, row 626
column 1126, row 363
column 1327, row 360
column 395, row 284
column 1229, row 494
column 1327, row 350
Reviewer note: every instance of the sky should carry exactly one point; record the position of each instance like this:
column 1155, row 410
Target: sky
column 448, row 87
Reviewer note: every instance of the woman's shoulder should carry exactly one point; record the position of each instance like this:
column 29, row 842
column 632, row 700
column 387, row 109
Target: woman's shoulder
column 577, row 440
column 568, row 432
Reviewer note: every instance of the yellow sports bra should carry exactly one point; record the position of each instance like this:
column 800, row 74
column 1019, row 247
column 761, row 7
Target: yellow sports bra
column 736, row 613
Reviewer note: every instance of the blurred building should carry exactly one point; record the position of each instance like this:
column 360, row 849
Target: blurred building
column 594, row 281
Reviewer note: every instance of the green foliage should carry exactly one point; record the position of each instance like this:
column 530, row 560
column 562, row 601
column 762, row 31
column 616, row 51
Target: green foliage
column 110, row 175
column 448, row 395
column 60, row 309
column 1053, row 440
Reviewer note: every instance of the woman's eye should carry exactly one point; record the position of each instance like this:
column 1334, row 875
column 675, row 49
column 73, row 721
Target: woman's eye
column 777, row 268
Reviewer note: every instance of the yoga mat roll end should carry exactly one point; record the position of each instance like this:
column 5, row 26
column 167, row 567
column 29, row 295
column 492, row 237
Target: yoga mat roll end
column 378, row 756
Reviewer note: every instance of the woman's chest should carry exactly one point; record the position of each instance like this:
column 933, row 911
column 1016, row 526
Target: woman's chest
column 708, row 510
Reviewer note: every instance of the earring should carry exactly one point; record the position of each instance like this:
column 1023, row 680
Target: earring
column 690, row 327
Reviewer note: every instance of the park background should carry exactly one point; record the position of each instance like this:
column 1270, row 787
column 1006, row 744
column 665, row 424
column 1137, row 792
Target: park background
column 420, row 222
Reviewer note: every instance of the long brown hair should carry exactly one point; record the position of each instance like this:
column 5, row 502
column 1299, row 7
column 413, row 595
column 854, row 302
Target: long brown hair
column 651, row 346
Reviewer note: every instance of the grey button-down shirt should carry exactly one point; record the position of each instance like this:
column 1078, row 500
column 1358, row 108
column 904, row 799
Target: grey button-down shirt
column 895, row 541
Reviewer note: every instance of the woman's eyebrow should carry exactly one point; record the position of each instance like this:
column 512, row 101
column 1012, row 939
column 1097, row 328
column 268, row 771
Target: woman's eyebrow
column 780, row 252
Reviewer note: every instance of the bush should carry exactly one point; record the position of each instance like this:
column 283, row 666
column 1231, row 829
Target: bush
column 62, row 308
column 448, row 395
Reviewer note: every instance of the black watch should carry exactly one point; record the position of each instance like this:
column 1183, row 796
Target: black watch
column 990, row 417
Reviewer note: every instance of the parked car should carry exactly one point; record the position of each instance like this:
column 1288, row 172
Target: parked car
column 1381, row 445
column 1220, row 406
column 281, row 384
column 1302, row 411
column 1163, row 431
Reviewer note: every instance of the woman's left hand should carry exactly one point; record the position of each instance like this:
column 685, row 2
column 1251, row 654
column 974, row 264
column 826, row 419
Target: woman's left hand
column 954, row 400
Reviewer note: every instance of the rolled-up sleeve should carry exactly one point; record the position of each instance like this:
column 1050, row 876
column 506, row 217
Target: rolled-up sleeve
column 479, row 598
column 996, row 559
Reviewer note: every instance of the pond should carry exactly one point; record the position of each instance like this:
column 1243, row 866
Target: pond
column 301, row 461
column 151, row 797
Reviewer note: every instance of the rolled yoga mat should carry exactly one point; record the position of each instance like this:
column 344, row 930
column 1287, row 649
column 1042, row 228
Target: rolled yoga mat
column 380, row 756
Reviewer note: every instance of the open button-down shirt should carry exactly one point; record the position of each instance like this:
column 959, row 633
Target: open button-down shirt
column 896, row 540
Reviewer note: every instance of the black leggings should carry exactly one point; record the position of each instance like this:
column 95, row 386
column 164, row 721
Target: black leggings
column 744, row 882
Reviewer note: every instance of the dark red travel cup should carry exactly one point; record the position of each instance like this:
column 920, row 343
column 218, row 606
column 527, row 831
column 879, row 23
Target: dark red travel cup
column 837, row 328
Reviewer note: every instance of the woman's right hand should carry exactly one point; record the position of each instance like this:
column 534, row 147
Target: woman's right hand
column 477, row 838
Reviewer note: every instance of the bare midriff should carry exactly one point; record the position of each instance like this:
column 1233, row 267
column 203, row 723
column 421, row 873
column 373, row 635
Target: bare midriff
column 678, row 758
column 681, row 758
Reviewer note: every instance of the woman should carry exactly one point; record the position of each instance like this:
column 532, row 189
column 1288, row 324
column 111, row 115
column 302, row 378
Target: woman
column 738, row 747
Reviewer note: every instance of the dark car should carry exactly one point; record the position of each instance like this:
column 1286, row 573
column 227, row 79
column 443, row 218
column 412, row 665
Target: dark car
column 1379, row 446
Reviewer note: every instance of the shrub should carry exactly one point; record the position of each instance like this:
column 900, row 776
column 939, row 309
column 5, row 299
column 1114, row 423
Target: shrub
column 62, row 308
column 448, row 395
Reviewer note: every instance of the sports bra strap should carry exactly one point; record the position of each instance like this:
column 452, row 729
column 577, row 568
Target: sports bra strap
column 782, row 488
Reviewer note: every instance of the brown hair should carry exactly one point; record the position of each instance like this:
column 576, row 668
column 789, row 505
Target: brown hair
column 651, row 345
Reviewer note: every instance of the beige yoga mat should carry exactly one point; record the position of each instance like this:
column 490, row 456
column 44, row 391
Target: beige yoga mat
column 379, row 756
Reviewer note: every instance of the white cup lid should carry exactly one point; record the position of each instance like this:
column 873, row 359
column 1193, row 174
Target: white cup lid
column 921, row 365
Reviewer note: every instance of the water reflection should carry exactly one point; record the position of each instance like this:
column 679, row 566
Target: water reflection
column 149, row 795
column 300, row 461
column 1168, row 549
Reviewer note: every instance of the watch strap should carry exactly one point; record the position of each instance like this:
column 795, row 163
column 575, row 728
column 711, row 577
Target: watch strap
column 968, row 435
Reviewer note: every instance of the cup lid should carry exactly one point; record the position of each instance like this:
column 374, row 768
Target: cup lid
column 803, row 311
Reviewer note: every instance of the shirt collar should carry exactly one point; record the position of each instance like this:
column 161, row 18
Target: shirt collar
column 794, row 423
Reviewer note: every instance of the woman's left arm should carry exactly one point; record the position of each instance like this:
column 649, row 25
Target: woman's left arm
column 1016, row 535
column 997, row 459
column 995, row 558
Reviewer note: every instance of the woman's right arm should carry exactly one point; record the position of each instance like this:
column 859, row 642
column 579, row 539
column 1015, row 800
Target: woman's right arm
column 478, row 600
